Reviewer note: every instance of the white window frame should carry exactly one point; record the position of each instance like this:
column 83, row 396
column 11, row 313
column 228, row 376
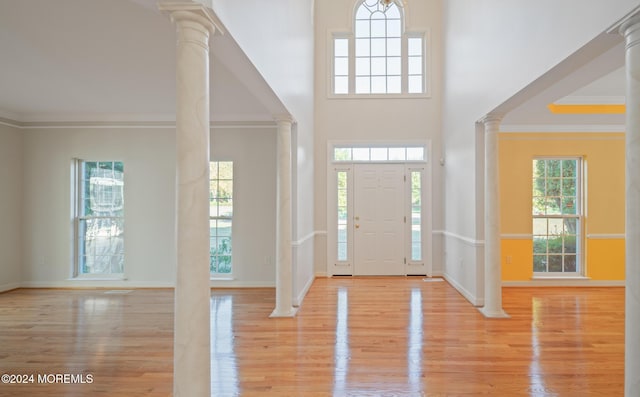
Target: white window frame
column 218, row 275
column 579, row 216
column 78, row 217
column 406, row 34
column 409, row 170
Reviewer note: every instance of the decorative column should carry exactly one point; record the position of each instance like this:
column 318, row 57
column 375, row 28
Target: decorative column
column 631, row 32
column 492, row 266
column 284, row 264
column 192, row 340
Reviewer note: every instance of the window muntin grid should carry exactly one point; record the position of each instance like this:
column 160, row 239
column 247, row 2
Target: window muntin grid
column 378, row 153
column 99, row 218
column 220, row 217
column 557, row 210
column 378, row 57
column 378, row 48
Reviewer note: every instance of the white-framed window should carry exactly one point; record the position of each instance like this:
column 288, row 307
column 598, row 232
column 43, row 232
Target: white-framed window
column 343, row 201
column 379, row 57
column 99, row 218
column 415, row 185
column 557, row 216
column 220, row 217
column 394, row 153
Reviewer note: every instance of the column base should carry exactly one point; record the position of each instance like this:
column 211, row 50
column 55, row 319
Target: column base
column 284, row 313
column 493, row 313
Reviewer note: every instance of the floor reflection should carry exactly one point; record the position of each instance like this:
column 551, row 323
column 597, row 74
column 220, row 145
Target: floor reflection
column 224, row 366
column 536, row 376
column 414, row 346
column 341, row 352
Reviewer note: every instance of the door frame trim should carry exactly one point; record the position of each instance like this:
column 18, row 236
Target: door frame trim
column 346, row 267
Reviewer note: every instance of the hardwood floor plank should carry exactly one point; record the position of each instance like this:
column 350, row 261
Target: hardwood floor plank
column 352, row 337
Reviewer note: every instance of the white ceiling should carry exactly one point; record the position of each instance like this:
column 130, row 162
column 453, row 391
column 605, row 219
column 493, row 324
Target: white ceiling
column 594, row 74
column 99, row 60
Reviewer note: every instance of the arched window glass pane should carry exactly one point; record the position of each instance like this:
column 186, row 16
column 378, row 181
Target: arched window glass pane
column 394, row 47
column 393, row 12
column 378, row 28
column 385, row 58
column 394, row 66
column 363, row 47
column 363, row 28
column 378, row 47
column 363, row 66
column 378, row 35
column 394, row 85
column 378, row 67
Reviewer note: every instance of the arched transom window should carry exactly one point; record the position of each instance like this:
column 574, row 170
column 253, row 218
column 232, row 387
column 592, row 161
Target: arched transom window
column 379, row 57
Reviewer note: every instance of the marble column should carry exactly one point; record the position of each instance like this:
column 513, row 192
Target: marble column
column 284, row 264
column 492, row 265
column 631, row 32
column 192, row 340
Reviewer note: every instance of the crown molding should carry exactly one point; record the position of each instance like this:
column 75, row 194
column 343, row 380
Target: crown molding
column 75, row 124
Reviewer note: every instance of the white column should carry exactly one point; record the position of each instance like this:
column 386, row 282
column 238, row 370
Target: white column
column 284, row 264
column 631, row 32
column 492, row 266
column 192, row 340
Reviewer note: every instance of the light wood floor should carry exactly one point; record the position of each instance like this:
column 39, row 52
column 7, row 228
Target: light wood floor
column 352, row 337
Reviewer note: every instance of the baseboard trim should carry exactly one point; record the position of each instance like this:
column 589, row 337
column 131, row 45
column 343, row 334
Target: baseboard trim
column 303, row 293
column 463, row 291
column 9, row 287
column 87, row 284
column 221, row 284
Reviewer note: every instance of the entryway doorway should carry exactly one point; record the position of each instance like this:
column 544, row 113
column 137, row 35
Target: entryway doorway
column 379, row 220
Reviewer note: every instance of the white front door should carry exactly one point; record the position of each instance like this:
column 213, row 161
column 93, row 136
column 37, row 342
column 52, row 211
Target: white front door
column 379, row 219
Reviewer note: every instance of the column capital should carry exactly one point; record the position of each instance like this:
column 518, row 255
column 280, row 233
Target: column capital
column 491, row 119
column 283, row 118
column 491, row 123
column 192, row 11
column 630, row 30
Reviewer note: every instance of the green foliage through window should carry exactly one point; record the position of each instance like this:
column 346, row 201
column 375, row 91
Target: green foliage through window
column 100, row 217
column 220, row 216
column 556, row 215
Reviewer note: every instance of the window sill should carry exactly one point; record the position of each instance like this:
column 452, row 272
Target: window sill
column 579, row 278
column 221, row 278
column 97, row 278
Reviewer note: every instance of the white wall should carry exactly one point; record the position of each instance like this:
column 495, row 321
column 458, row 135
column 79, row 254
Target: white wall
column 369, row 119
column 278, row 38
column 149, row 160
column 493, row 50
column 11, row 142
column 254, row 170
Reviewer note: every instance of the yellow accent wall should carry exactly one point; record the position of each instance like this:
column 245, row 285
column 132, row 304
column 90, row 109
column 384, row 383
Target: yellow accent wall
column 603, row 226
